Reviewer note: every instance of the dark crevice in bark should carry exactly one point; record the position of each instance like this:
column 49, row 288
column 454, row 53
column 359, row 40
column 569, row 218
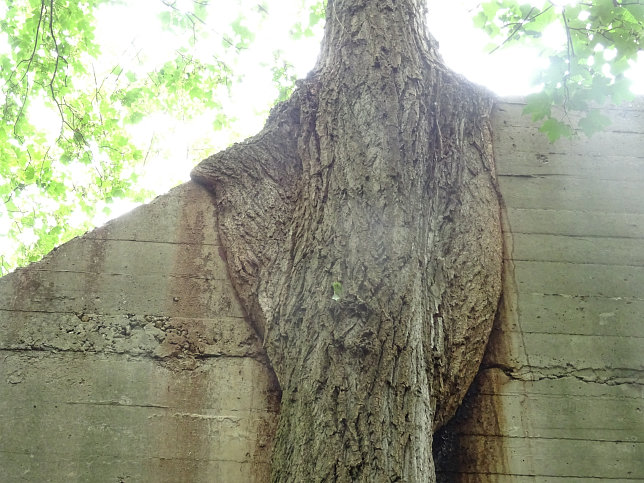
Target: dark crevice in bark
column 377, row 174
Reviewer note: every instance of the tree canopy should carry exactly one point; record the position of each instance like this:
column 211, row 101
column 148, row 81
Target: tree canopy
column 69, row 144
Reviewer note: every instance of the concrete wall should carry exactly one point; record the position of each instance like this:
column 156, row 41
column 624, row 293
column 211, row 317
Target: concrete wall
column 125, row 357
column 560, row 393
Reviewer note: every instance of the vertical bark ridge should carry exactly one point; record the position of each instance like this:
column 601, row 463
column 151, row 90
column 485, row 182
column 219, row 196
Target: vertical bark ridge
column 377, row 174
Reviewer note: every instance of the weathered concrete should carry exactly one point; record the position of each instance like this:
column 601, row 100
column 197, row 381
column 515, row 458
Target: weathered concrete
column 125, row 355
column 559, row 395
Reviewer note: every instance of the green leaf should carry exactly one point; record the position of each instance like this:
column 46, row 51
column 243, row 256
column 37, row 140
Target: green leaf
column 197, row 92
column 56, row 189
column 166, row 19
column 131, row 96
column 337, row 290
column 480, row 19
column 29, row 173
column 526, row 9
column 538, row 106
column 10, row 205
column 244, row 35
column 555, row 129
column 117, row 193
column 491, row 8
column 620, row 91
column 78, row 137
column 603, row 10
column 135, row 117
column 636, row 9
column 593, row 122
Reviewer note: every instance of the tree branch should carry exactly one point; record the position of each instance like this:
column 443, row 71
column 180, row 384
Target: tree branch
column 519, row 26
column 30, row 61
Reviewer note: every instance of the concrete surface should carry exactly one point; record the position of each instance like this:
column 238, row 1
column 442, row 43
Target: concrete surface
column 559, row 397
column 126, row 356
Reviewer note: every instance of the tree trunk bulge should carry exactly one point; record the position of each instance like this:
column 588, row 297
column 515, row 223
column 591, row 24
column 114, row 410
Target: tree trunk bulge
column 378, row 174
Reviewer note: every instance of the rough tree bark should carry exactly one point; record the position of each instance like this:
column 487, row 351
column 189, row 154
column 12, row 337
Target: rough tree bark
column 378, row 174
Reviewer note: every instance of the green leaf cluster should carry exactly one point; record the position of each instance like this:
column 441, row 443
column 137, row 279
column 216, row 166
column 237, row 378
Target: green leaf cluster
column 602, row 39
column 67, row 148
column 315, row 14
column 284, row 76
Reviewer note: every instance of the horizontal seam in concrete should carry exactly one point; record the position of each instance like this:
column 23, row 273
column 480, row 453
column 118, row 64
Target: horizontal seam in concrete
column 566, row 235
column 586, row 296
column 89, row 237
column 236, row 416
column 603, row 336
column 536, row 374
column 114, row 403
column 577, row 133
column 134, row 458
column 516, row 150
column 583, row 157
column 527, row 125
column 525, row 394
column 536, row 475
column 570, row 262
column 504, row 367
column 120, row 313
column 54, row 312
column 117, row 274
column 565, row 175
column 549, row 395
column 582, row 296
column 550, row 438
column 574, row 263
column 587, row 212
column 131, row 354
column 516, row 100
column 575, row 211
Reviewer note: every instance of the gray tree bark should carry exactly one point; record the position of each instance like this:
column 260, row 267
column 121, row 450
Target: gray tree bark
column 378, row 174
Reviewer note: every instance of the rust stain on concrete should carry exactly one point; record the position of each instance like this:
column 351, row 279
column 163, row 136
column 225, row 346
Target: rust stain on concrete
column 471, row 444
column 469, row 449
column 186, row 350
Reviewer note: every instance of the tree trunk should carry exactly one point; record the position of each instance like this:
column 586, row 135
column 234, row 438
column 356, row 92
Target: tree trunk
column 377, row 177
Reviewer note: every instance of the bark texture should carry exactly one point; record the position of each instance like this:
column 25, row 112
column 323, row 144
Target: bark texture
column 378, row 174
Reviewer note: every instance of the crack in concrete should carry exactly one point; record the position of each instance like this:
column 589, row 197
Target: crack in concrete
column 545, row 438
column 100, row 239
column 141, row 355
column 568, row 262
column 115, row 403
column 565, row 235
column 126, row 274
column 537, row 475
column 582, row 297
column 607, row 376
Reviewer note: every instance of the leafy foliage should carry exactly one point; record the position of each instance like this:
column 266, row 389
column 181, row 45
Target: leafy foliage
column 600, row 40
column 68, row 147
